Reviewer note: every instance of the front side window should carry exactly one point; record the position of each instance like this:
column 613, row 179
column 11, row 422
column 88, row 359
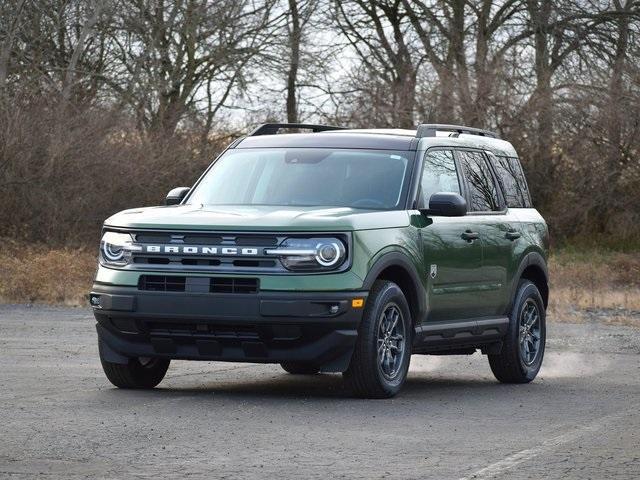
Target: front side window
column 511, row 177
column 482, row 189
column 438, row 174
column 307, row 177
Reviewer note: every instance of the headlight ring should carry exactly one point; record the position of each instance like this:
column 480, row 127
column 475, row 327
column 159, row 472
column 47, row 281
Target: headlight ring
column 115, row 248
column 328, row 254
column 310, row 254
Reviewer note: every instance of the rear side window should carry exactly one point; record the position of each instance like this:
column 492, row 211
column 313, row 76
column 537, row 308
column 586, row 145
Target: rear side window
column 438, row 174
column 482, row 188
column 514, row 186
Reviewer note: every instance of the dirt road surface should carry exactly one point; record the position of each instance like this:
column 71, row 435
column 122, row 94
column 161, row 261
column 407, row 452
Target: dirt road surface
column 60, row 418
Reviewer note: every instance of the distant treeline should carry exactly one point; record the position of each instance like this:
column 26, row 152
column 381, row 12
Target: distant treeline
column 106, row 104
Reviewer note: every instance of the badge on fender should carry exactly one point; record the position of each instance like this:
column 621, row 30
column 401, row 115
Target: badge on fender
column 434, row 271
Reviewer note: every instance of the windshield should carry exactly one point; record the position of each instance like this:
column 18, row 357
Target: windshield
column 369, row 179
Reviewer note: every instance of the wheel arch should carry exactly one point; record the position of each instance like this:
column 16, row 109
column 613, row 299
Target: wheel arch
column 398, row 268
column 533, row 268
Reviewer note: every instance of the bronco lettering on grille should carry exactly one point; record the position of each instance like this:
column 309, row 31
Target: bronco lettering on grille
column 195, row 250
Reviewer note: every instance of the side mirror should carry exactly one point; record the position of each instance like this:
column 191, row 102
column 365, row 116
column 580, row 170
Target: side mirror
column 446, row 204
column 175, row 196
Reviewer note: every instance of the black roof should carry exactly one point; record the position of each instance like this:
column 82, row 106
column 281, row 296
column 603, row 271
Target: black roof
column 328, row 139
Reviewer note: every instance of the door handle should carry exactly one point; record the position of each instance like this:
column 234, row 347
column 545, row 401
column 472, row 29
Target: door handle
column 513, row 234
column 470, row 236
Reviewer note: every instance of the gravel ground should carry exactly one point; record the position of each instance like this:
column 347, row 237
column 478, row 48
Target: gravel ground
column 62, row 419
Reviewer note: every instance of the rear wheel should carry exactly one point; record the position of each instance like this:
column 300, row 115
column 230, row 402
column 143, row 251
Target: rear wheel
column 380, row 360
column 139, row 372
column 296, row 368
column 523, row 348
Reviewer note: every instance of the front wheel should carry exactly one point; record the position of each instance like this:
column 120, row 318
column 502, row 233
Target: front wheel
column 137, row 373
column 381, row 357
column 523, row 348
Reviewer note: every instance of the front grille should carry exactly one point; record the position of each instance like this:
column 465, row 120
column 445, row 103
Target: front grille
column 162, row 251
column 213, row 253
column 233, row 285
column 199, row 261
column 189, row 328
column 208, row 239
column 182, row 261
column 153, row 238
column 202, row 239
column 246, row 241
column 162, row 283
column 165, row 283
column 221, row 331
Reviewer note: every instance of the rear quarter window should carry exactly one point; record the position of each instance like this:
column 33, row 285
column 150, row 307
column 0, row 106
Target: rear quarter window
column 512, row 181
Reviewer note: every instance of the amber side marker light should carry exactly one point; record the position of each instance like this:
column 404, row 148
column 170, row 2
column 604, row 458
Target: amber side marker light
column 357, row 302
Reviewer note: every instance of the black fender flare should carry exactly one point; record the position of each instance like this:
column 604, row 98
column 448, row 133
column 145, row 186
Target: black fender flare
column 397, row 259
column 530, row 259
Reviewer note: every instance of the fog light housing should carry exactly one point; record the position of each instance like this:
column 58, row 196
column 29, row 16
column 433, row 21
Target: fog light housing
column 95, row 301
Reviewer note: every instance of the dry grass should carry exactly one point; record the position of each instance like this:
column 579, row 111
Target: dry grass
column 595, row 285
column 586, row 286
column 37, row 274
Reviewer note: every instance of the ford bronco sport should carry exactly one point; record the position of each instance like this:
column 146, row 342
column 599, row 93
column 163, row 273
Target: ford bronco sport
column 335, row 250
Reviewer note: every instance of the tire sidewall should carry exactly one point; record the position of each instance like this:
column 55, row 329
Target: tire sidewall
column 135, row 375
column 526, row 291
column 390, row 294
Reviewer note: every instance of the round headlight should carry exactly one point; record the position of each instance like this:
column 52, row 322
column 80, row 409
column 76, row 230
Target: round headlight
column 115, row 248
column 327, row 254
column 310, row 254
column 113, row 253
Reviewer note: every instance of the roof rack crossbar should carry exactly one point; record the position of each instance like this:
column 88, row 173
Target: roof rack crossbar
column 273, row 128
column 430, row 129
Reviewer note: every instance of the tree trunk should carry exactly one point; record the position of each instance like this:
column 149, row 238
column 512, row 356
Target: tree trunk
column 462, row 84
column 542, row 98
column 445, row 103
column 5, row 48
column 292, row 77
column 70, row 74
column 404, row 93
column 484, row 75
column 616, row 86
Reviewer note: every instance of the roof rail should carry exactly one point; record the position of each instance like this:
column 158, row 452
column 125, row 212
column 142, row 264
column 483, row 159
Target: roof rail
column 430, row 129
column 273, row 128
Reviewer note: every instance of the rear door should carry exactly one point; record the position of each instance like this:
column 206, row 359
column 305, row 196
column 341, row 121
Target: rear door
column 496, row 226
column 515, row 192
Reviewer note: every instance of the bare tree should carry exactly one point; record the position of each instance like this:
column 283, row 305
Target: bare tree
column 380, row 35
column 11, row 13
column 295, row 37
column 85, row 32
column 185, row 56
column 59, row 46
column 80, row 80
column 466, row 42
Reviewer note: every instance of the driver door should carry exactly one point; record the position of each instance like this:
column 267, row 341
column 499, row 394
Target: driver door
column 453, row 263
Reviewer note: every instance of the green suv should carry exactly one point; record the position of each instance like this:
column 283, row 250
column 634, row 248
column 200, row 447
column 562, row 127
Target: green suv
column 336, row 250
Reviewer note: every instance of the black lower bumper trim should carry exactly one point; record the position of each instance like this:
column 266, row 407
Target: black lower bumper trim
column 269, row 327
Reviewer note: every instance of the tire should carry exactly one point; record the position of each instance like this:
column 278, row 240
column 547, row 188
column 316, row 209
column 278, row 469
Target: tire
column 299, row 368
column 517, row 362
column 372, row 373
column 138, row 373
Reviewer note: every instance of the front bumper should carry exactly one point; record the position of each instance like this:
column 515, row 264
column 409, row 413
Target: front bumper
column 319, row 328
